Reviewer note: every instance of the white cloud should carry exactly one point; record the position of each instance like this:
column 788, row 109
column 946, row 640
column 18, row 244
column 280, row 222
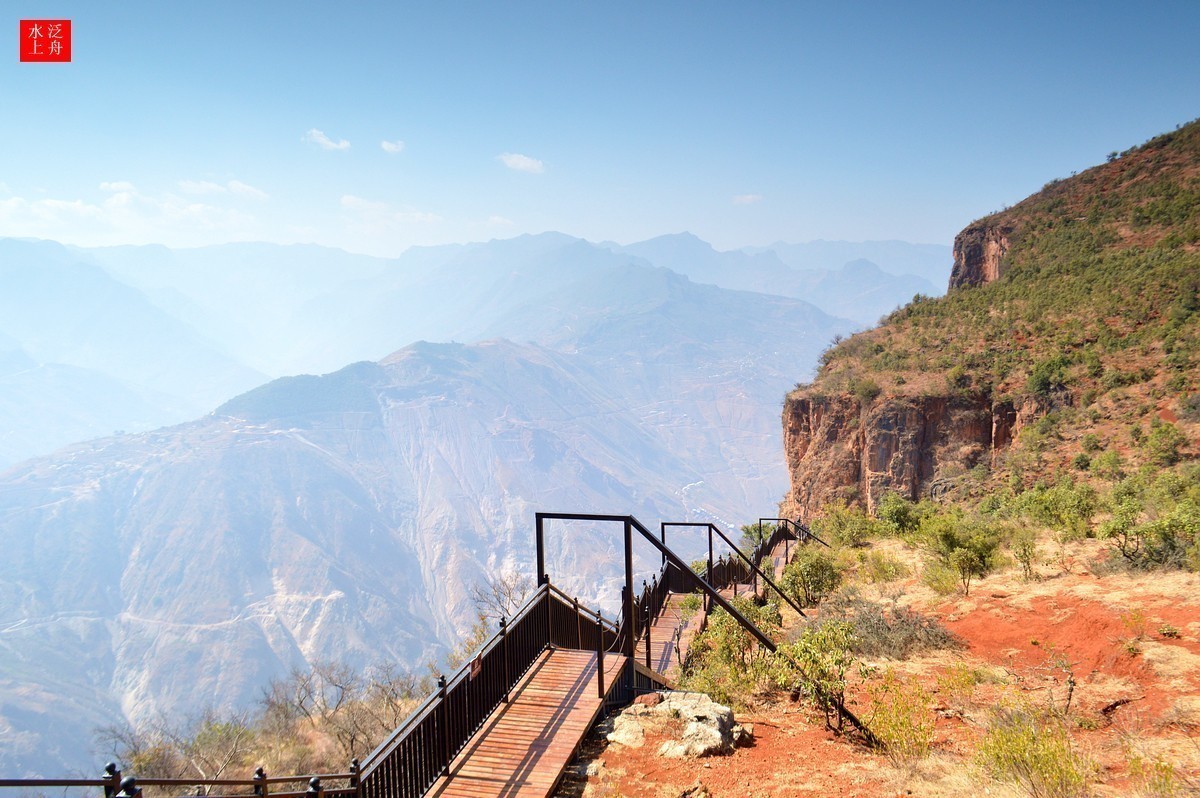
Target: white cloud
column 392, row 147
column 244, row 190
column 315, row 136
column 747, row 199
column 499, row 221
column 200, row 187
column 125, row 216
column 522, row 163
column 378, row 216
column 232, row 187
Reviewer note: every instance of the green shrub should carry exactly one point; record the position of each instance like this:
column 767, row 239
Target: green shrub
column 1090, row 443
column 881, row 567
column 865, row 389
column 898, row 515
column 1108, row 465
column 1065, row 507
column 949, row 531
column 823, row 654
column 1081, row 462
column 811, row 576
column 1047, row 376
column 1163, row 443
column 967, row 564
column 725, row 661
column 1034, row 751
column 1024, row 547
column 940, row 578
column 901, row 718
column 845, row 526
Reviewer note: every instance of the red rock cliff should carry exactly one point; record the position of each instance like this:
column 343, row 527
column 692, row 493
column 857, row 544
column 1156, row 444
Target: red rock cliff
column 842, row 448
column 979, row 253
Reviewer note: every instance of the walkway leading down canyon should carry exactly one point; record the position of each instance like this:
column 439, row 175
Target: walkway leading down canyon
column 511, row 719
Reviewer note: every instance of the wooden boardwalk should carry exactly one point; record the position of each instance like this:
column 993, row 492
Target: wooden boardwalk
column 666, row 649
column 523, row 748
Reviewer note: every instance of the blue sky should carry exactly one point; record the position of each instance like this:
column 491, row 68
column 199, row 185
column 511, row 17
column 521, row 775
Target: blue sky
column 196, row 123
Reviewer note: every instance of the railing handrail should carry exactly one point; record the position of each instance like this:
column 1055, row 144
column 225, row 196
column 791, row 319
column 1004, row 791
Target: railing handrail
column 381, row 751
column 588, row 611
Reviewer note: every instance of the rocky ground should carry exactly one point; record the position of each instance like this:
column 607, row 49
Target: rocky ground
column 1106, row 640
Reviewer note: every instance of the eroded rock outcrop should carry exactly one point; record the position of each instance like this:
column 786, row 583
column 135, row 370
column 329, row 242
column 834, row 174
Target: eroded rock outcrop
column 979, row 252
column 844, row 448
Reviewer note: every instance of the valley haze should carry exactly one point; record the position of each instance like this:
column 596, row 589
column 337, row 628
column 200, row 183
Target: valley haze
column 346, row 516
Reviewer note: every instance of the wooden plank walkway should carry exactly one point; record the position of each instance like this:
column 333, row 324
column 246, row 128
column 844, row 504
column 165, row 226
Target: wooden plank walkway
column 667, row 650
column 523, row 748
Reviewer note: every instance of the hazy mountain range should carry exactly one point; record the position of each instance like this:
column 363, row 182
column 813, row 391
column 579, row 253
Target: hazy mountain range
column 345, row 516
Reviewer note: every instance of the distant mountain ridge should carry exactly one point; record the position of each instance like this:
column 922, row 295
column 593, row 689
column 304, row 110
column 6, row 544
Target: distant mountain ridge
column 842, row 287
column 138, row 337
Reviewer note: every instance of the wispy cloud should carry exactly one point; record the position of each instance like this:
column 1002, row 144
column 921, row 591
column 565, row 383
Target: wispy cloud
column 522, row 163
column 200, row 187
column 392, row 147
column 747, row 199
column 499, row 221
column 317, row 137
column 124, row 216
column 245, row 190
column 236, row 187
column 382, row 215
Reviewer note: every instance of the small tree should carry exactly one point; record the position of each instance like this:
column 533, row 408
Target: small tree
column 823, row 655
column 898, row 514
column 811, row 576
column 967, row 565
column 1025, row 549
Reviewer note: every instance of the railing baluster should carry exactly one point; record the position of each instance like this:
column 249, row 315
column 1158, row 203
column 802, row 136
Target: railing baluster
column 600, row 652
column 647, row 635
column 443, row 724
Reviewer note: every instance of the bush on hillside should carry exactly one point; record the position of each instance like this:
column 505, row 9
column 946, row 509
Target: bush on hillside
column 898, row 515
column 1034, row 751
column 845, row 526
column 888, row 631
column 811, row 576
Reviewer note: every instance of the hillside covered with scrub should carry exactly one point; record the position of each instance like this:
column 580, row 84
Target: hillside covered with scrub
column 1067, row 350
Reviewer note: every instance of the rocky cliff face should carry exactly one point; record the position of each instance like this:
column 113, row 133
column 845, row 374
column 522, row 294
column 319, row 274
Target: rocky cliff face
column 979, row 252
column 844, row 448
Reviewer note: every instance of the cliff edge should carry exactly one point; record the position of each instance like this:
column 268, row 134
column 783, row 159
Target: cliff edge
column 1070, row 335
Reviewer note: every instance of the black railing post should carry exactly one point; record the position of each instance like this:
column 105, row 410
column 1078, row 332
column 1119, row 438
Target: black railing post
column 707, row 600
column 260, row 782
column 600, row 652
column 630, row 617
column 315, row 790
column 504, row 653
column 648, row 635
column 355, row 782
column 549, row 611
column 578, row 625
column 540, row 527
column 129, row 788
column 444, row 723
column 112, row 775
